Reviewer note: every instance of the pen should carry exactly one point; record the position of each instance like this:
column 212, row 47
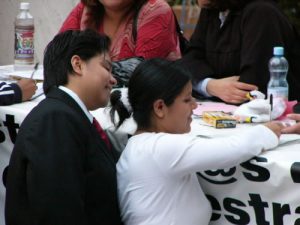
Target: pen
column 34, row 97
column 34, row 69
column 271, row 106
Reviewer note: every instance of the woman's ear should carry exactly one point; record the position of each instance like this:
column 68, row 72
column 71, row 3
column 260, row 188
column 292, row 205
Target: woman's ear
column 76, row 63
column 159, row 108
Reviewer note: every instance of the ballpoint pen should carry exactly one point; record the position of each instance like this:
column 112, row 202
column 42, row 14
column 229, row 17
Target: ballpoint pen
column 36, row 96
column 34, row 69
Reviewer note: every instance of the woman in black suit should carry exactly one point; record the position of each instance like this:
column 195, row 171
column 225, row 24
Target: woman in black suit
column 61, row 170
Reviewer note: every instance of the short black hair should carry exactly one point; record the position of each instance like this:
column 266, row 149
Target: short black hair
column 58, row 53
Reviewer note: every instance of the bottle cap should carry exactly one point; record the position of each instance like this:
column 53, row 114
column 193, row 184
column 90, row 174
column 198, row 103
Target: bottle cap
column 24, row 5
column 279, row 51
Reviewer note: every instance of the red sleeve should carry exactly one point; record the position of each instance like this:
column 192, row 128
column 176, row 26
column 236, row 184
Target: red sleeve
column 157, row 36
column 72, row 22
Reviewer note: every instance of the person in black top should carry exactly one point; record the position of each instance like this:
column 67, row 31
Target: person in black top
column 232, row 44
column 62, row 169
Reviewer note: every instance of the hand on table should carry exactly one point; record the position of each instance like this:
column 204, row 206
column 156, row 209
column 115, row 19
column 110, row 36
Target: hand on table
column 294, row 129
column 275, row 126
column 28, row 88
column 229, row 89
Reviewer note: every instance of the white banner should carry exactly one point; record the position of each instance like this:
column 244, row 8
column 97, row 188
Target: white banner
column 262, row 191
column 11, row 118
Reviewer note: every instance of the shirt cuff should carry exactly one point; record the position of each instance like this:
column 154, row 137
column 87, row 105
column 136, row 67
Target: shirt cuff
column 269, row 138
column 201, row 87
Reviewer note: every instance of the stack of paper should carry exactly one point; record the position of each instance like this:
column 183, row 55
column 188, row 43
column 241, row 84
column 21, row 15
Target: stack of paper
column 8, row 73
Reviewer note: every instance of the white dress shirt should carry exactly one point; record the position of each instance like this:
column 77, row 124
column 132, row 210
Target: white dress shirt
column 76, row 98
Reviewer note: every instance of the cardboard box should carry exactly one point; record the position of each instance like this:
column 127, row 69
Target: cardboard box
column 219, row 119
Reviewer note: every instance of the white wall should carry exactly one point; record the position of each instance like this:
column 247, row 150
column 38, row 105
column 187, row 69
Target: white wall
column 48, row 15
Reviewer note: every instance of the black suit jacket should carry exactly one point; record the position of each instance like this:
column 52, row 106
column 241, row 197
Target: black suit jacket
column 60, row 171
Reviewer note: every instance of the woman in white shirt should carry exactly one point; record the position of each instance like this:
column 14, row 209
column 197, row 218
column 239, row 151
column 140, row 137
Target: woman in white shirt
column 157, row 182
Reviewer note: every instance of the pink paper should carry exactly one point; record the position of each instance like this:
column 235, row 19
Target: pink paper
column 213, row 106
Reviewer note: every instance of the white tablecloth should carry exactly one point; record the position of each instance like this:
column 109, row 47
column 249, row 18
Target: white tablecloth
column 264, row 190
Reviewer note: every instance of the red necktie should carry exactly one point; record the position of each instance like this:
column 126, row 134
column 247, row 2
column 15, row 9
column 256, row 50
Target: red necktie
column 101, row 132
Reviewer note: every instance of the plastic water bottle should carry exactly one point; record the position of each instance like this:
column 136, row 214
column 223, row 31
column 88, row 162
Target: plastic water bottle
column 278, row 66
column 24, row 39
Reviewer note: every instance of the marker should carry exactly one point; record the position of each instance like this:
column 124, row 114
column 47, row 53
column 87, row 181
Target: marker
column 271, row 106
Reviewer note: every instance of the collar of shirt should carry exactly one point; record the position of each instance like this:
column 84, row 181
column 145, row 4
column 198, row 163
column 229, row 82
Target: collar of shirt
column 73, row 95
column 222, row 16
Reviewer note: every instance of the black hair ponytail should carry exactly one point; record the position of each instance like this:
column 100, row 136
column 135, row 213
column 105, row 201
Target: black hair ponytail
column 118, row 106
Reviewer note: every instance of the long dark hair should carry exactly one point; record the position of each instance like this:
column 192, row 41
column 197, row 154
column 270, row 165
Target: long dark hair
column 96, row 12
column 152, row 80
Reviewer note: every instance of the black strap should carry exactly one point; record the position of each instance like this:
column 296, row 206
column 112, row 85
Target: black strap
column 183, row 42
column 4, row 176
column 178, row 28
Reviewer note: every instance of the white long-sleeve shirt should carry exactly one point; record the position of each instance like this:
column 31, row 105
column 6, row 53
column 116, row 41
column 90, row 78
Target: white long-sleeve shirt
column 157, row 183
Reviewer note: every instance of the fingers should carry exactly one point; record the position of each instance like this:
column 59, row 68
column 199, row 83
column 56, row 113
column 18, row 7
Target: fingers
column 294, row 116
column 276, row 127
column 239, row 92
column 28, row 88
column 235, row 96
column 235, row 99
column 295, row 128
column 291, row 130
column 229, row 89
column 245, row 86
column 232, row 78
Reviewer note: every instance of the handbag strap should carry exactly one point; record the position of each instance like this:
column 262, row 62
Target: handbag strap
column 178, row 28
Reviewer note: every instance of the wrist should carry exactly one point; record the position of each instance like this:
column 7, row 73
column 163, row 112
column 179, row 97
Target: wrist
column 210, row 87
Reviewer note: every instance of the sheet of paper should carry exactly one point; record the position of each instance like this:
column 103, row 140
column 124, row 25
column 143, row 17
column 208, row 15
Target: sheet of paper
column 38, row 75
column 8, row 73
column 213, row 106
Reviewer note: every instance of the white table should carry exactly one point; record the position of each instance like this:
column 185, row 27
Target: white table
column 265, row 189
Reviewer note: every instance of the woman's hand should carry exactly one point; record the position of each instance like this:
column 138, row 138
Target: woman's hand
column 294, row 129
column 275, row 126
column 28, row 88
column 229, row 89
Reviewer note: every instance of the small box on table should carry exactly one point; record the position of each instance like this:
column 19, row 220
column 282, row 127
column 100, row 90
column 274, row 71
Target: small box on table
column 219, row 119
